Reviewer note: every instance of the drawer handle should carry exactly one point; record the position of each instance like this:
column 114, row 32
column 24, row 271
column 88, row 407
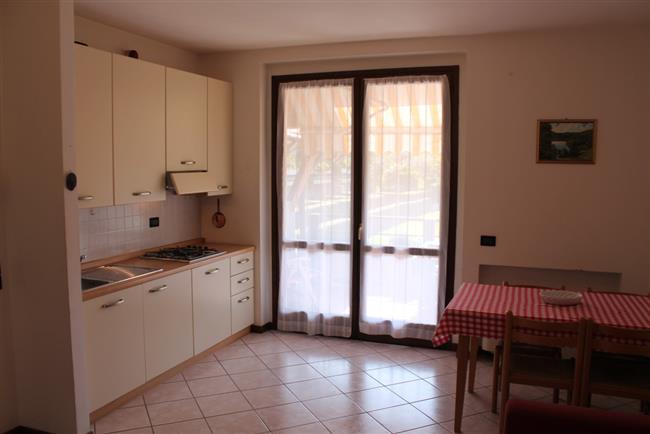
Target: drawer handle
column 244, row 280
column 244, row 300
column 159, row 289
column 115, row 303
column 243, row 261
column 141, row 193
column 86, row 198
column 213, row 271
column 222, row 187
column 188, row 162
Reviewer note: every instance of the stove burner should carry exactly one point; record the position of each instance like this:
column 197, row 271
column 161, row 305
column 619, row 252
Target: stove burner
column 183, row 254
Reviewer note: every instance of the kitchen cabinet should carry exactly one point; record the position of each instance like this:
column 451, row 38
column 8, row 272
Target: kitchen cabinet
column 242, row 310
column 211, row 304
column 94, row 126
column 167, row 322
column 138, row 130
column 220, row 135
column 187, row 119
column 114, row 345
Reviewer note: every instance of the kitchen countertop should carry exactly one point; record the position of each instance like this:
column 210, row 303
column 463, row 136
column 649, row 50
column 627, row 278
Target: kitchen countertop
column 168, row 267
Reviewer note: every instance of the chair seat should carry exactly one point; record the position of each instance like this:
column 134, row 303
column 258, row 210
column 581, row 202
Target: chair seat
column 621, row 376
column 542, row 371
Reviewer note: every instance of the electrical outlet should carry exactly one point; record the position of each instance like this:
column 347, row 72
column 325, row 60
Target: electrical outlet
column 154, row 222
column 488, row 240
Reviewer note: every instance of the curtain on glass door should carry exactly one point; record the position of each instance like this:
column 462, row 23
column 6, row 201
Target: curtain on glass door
column 405, row 185
column 314, row 182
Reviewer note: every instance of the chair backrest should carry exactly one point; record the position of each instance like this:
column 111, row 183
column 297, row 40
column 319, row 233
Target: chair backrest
column 528, row 285
column 548, row 334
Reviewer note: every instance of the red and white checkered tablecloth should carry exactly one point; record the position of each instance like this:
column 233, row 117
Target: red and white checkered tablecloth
column 480, row 310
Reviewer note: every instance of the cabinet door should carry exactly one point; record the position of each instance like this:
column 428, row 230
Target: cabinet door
column 167, row 322
column 220, row 134
column 138, row 130
column 187, row 120
column 211, row 304
column 243, row 310
column 114, row 345
column 94, row 126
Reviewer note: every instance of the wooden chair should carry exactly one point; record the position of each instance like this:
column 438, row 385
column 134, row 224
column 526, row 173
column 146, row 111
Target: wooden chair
column 617, row 363
column 555, row 373
column 519, row 349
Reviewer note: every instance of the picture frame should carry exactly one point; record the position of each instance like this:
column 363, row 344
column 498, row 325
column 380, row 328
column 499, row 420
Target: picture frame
column 566, row 141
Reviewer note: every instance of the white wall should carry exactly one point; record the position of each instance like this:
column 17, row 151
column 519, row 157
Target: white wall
column 592, row 217
column 40, row 260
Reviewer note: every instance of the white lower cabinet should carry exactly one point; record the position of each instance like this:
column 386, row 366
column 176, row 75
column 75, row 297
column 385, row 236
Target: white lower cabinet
column 211, row 304
column 114, row 345
column 242, row 309
column 167, row 322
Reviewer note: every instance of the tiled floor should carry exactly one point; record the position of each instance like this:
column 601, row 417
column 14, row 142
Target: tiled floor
column 291, row 383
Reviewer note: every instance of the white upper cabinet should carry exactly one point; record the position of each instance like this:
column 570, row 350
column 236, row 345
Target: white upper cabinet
column 187, row 120
column 220, row 135
column 94, row 126
column 138, row 130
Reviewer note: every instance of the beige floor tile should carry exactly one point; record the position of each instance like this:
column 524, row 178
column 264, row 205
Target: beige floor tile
column 354, row 382
column 175, row 379
column 434, row 353
column 148, row 430
column 379, row 347
column 417, row 390
column 255, row 379
column 332, row 407
column 401, row 418
column 392, row 375
column 207, row 358
column 371, row 361
column 312, row 389
column 446, row 383
column 405, row 355
column 329, row 368
column 351, row 350
column 244, row 364
column 311, row 428
column 442, row 408
column 225, row 403
column 247, row 422
column 256, row 338
column 302, row 342
column 355, row 424
column 272, row 347
column 269, row 396
column 429, row 368
column 174, row 411
column 139, row 400
column 204, row 370
column 290, row 374
column 318, row 354
column 286, row 416
column 211, row 386
column 480, row 400
column 282, row 359
column 430, row 429
column 198, row 426
column 376, row 399
column 167, row 392
column 476, row 424
column 123, row 419
column 233, row 352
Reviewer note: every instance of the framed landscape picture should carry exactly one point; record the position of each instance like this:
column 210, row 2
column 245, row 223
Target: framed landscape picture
column 566, row 141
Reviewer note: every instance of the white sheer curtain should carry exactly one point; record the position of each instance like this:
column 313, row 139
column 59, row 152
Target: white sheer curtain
column 405, row 185
column 314, row 161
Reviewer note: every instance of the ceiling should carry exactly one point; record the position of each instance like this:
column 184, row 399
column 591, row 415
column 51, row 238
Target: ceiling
column 219, row 25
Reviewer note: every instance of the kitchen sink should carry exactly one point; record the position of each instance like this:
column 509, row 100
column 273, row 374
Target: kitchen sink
column 107, row 274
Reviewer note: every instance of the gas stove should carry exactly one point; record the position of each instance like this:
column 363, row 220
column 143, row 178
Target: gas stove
column 187, row 254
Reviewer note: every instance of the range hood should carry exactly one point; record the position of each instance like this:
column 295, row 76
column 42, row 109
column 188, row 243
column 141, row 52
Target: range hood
column 193, row 183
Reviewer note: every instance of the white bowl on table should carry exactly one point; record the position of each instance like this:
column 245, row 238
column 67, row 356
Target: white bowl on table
column 561, row 297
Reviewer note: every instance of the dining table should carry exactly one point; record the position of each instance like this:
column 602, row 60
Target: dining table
column 479, row 311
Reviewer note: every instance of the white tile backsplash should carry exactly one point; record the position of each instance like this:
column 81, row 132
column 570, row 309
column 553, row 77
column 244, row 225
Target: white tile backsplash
column 119, row 229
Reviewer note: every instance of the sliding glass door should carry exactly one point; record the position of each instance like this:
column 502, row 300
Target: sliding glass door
column 364, row 201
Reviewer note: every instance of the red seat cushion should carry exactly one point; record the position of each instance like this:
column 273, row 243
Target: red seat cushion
column 534, row 417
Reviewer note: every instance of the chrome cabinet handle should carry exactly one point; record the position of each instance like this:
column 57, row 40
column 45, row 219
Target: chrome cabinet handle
column 243, row 261
column 188, row 162
column 213, row 271
column 86, row 198
column 244, row 300
column 222, row 187
column 244, row 280
column 115, row 303
column 141, row 193
column 159, row 289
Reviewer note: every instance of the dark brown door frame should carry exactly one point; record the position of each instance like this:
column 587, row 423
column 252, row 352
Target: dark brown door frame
column 452, row 73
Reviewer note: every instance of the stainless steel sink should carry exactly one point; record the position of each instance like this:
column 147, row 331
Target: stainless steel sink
column 107, row 274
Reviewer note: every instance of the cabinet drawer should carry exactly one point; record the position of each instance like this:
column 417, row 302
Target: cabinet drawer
column 243, row 310
column 241, row 263
column 242, row 282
